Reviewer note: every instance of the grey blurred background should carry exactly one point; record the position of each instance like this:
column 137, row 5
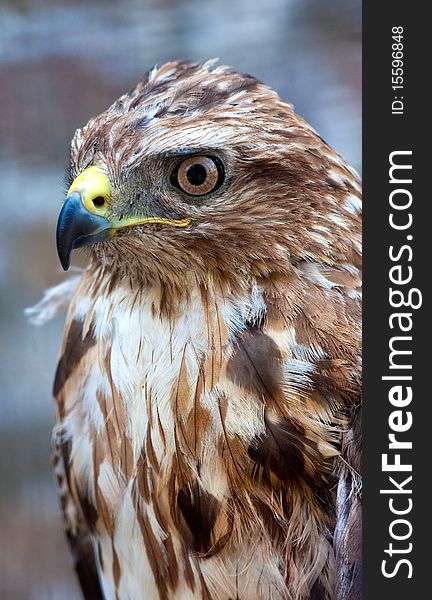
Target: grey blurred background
column 62, row 62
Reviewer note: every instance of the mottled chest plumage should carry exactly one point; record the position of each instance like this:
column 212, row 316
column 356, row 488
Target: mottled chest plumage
column 176, row 432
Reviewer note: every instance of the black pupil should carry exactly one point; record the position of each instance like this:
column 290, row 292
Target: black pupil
column 196, row 174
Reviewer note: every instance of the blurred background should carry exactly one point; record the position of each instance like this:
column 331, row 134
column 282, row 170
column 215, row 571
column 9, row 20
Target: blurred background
column 61, row 62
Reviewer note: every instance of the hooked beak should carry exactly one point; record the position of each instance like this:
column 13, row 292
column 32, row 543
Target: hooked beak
column 83, row 218
column 77, row 227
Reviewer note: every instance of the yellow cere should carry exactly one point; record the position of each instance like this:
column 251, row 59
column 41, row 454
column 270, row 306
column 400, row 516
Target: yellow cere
column 90, row 184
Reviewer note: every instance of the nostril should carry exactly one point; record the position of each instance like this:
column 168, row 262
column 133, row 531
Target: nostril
column 99, row 201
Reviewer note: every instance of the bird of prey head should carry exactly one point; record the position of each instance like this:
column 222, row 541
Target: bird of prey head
column 201, row 169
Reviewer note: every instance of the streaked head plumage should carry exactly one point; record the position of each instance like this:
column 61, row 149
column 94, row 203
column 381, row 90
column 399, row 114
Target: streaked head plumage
column 209, row 170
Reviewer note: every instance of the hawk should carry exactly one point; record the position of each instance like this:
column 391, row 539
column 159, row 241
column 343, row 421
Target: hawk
column 207, row 438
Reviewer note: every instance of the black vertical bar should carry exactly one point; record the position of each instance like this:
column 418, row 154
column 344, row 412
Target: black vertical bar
column 405, row 129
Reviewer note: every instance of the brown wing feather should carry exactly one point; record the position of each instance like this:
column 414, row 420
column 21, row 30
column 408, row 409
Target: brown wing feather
column 75, row 509
column 348, row 534
column 332, row 322
column 85, row 565
column 77, row 532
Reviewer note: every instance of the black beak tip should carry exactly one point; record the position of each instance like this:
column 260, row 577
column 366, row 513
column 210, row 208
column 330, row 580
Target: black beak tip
column 77, row 227
column 64, row 255
column 64, row 242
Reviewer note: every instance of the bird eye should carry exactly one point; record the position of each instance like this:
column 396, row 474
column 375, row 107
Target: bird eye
column 198, row 175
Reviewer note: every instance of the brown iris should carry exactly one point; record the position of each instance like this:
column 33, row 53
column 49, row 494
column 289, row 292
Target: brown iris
column 198, row 175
